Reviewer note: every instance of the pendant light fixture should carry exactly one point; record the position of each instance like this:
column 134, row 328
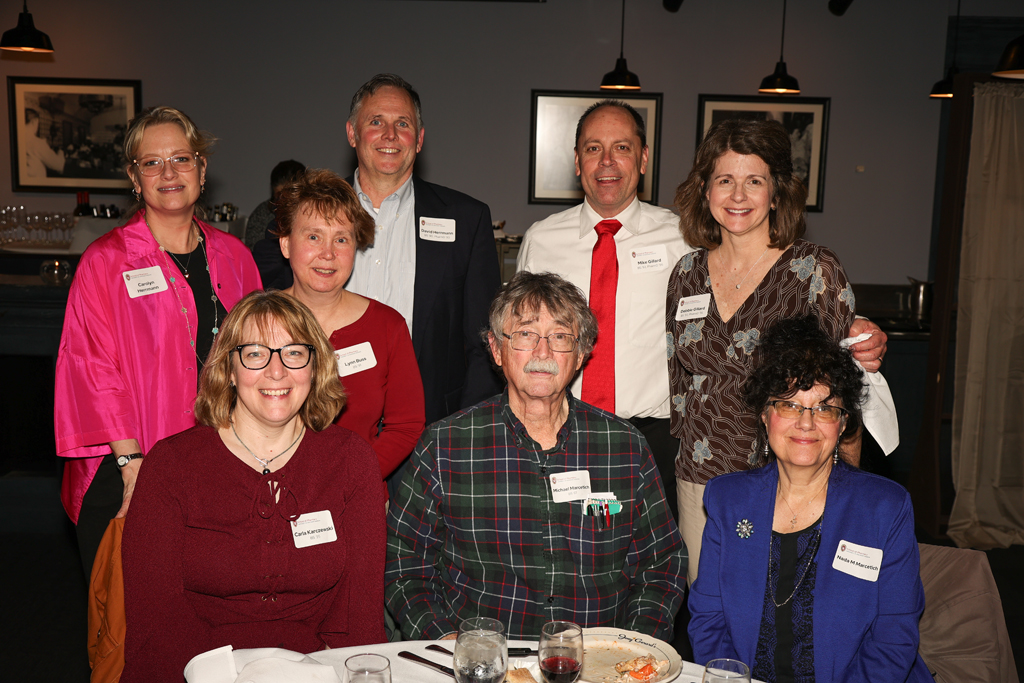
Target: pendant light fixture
column 25, row 37
column 780, row 82
column 944, row 88
column 621, row 78
column 1011, row 64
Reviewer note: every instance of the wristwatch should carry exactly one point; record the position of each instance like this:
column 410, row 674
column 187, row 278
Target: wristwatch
column 123, row 460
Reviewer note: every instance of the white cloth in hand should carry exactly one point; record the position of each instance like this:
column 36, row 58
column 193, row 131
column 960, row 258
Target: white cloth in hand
column 878, row 410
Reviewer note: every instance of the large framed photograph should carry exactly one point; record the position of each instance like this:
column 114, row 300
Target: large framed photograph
column 67, row 133
column 553, row 120
column 804, row 118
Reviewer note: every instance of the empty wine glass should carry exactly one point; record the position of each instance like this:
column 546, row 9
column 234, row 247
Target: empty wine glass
column 726, row 671
column 560, row 652
column 481, row 652
column 367, row 668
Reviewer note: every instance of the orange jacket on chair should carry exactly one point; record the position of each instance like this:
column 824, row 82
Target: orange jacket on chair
column 106, row 608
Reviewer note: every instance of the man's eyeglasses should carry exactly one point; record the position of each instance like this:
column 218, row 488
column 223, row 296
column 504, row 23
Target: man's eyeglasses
column 822, row 413
column 181, row 163
column 560, row 342
column 257, row 356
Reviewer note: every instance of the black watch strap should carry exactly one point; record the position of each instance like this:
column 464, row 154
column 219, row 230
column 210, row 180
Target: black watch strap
column 123, row 460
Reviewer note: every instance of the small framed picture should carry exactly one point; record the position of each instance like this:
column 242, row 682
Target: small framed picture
column 67, row 133
column 804, row 118
column 553, row 120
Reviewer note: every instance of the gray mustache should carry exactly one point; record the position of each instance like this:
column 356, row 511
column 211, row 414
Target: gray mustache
column 541, row 365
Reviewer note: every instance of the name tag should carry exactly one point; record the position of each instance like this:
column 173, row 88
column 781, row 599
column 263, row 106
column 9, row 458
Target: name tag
column 860, row 561
column 355, row 359
column 569, row 486
column 649, row 259
column 314, row 528
column 144, row 281
column 693, row 307
column 437, row 229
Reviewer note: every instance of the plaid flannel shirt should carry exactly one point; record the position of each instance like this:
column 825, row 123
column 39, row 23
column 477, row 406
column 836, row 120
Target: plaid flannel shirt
column 473, row 530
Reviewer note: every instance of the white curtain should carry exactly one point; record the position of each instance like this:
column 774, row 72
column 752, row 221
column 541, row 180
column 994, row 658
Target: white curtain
column 988, row 408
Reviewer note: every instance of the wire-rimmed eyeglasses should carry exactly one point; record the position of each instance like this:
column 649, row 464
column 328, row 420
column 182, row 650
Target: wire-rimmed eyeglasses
column 257, row 356
column 182, row 163
column 792, row 410
column 560, row 342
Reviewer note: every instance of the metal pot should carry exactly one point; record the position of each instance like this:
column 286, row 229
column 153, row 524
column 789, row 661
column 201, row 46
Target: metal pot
column 920, row 300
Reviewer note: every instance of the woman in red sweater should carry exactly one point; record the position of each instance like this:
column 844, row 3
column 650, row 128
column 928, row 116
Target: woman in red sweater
column 252, row 530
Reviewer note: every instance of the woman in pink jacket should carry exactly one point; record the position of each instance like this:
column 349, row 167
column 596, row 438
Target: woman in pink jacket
column 142, row 314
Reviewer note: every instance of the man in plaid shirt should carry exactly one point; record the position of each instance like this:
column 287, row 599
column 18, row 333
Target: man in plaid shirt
column 496, row 515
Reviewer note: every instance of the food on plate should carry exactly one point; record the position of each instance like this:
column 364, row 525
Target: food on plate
column 519, row 676
column 639, row 669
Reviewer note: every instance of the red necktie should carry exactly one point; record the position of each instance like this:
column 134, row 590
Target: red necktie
column 599, row 375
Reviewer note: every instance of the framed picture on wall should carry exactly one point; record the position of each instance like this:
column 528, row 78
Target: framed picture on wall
column 804, row 118
column 553, row 120
column 67, row 133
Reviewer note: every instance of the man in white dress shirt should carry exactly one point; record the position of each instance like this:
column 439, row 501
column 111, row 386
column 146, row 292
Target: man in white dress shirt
column 611, row 157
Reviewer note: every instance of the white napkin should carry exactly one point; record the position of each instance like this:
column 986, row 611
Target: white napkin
column 257, row 665
column 878, row 410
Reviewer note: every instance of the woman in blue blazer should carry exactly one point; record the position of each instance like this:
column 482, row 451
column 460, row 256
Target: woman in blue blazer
column 809, row 569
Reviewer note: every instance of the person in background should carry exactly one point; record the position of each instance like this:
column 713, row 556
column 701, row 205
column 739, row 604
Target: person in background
column 144, row 307
column 492, row 516
column 321, row 228
column 810, row 567
column 745, row 210
column 39, row 156
column 263, row 215
column 263, row 526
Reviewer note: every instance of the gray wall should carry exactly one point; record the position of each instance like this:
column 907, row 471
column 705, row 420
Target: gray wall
column 273, row 80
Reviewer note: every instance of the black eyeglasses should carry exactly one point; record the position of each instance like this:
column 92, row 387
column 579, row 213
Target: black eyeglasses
column 257, row 356
column 792, row 410
column 560, row 342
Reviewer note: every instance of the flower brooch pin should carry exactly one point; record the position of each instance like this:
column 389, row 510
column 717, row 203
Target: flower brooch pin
column 744, row 528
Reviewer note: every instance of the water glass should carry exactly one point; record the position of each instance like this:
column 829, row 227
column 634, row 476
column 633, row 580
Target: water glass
column 560, row 652
column 726, row 671
column 481, row 652
column 367, row 668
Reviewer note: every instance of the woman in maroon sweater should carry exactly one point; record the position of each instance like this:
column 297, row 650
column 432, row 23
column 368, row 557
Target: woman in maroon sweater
column 321, row 224
column 254, row 529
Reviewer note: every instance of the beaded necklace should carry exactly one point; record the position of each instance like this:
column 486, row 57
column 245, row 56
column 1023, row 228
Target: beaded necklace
column 181, row 306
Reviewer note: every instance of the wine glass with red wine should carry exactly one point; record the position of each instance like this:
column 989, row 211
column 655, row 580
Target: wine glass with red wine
column 560, row 652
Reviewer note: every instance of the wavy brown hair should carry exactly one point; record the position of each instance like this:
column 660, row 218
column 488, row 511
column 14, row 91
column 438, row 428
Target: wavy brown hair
column 767, row 140
column 321, row 191
column 218, row 396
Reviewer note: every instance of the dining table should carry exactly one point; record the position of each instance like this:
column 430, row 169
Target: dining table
column 272, row 665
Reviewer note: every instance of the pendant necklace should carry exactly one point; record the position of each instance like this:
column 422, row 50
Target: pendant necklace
column 809, row 553
column 792, row 522
column 183, row 266
column 266, row 463
column 751, row 267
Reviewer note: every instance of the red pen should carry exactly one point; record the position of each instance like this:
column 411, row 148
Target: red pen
column 607, row 516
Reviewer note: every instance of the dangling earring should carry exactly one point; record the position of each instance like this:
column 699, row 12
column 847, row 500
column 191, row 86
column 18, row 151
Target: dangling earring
column 136, row 194
column 835, row 455
column 764, row 451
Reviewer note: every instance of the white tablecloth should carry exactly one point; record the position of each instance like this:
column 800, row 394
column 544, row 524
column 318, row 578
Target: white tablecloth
column 272, row 665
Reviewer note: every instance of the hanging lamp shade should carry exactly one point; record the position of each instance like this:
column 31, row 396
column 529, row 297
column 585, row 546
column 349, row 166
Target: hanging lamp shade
column 25, row 37
column 944, row 88
column 1011, row 64
column 621, row 78
column 780, row 82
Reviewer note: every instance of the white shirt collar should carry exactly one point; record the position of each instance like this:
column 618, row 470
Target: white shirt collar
column 629, row 217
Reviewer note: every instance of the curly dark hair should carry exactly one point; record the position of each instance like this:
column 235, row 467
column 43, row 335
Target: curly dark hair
column 794, row 355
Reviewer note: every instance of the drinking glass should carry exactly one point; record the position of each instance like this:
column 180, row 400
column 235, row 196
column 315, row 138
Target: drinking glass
column 560, row 652
column 367, row 668
column 481, row 652
column 726, row 671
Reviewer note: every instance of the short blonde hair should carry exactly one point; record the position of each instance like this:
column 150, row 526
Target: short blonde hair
column 218, row 396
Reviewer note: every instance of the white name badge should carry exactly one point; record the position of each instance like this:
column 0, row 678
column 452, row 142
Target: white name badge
column 860, row 561
column 314, row 528
column 144, row 281
column 569, row 486
column 437, row 229
column 693, row 307
column 649, row 259
column 355, row 359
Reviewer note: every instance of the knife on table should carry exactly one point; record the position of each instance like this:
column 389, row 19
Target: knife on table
column 446, row 670
column 512, row 651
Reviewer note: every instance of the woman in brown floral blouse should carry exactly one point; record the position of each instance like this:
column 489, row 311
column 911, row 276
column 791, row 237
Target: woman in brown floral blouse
column 744, row 210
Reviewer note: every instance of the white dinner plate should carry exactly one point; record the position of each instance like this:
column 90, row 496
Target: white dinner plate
column 603, row 648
